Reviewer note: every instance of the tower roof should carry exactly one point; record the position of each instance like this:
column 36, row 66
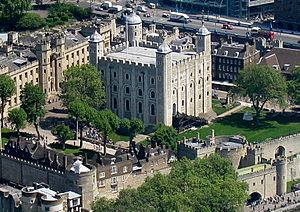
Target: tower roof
column 96, row 37
column 133, row 19
column 203, row 30
column 164, row 48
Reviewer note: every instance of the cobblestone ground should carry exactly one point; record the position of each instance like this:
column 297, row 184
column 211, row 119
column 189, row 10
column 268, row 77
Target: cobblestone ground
column 278, row 203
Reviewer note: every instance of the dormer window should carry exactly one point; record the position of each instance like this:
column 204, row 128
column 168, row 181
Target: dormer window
column 215, row 51
column 236, row 54
column 225, row 53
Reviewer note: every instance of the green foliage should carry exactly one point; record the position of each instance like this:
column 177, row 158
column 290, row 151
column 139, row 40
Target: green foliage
column 31, row 21
column 136, row 127
column 63, row 134
column 294, row 86
column 209, row 184
column 107, row 122
column 7, row 89
column 12, row 9
column 17, row 117
column 262, row 84
column 33, row 102
column 166, row 135
column 60, row 13
column 83, row 83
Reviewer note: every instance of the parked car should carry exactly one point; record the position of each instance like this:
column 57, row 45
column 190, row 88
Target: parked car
column 227, row 26
column 166, row 15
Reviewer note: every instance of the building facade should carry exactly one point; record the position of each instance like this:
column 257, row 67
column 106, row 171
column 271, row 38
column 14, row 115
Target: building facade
column 152, row 82
column 287, row 14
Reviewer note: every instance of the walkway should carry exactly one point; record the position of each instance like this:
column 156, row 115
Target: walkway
column 235, row 109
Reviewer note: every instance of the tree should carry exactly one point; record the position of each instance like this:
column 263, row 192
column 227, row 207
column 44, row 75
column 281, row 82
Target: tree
column 13, row 9
column 77, row 110
column 166, row 135
column 294, row 86
column 209, row 184
column 31, row 21
column 107, row 122
column 7, row 89
column 63, row 133
column 83, row 83
column 33, row 102
column 262, row 84
column 135, row 127
column 17, row 117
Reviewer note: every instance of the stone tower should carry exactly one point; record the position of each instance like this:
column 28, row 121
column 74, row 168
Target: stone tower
column 59, row 65
column 134, row 31
column 203, row 46
column 96, row 50
column 281, row 176
column 203, row 40
column 43, row 52
column 164, row 73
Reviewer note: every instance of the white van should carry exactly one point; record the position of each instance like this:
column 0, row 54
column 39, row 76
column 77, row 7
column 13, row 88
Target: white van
column 151, row 5
column 141, row 8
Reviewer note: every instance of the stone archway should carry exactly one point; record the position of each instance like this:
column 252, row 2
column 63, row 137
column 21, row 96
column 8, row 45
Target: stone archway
column 280, row 152
column 254, row 197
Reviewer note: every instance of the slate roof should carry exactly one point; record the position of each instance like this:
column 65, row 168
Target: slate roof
column 230, row 48
column 284, row 58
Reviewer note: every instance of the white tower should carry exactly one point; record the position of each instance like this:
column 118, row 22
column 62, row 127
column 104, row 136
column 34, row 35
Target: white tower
column 96, row 50
column 135, row 30
column 164, row 73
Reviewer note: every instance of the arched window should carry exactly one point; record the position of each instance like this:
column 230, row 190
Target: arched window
column 115, row 103
column 140, row 78
column 152, row 94
column 115, row 88
column 140, row 107
column 152, row 81
column 182, row 102
column 127, row 107
column 127, row 76
column 140, row 92
column 152, row 109
column 127, row 90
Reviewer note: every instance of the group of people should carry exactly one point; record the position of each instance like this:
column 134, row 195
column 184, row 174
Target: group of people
column 276, row 202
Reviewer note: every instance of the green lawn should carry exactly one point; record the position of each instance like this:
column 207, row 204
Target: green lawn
column 219, row 109
column 70, row 150
column 6, row 134
column 291, row 183
column 116, row 137
column 269, row 128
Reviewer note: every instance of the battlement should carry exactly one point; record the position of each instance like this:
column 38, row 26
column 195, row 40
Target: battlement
column 127, row 62
column 149, row 44
column 181, row 48
column 36, row 165
column 118, row 47
column 192, row 57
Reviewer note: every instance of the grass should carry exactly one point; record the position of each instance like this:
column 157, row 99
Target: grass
column 70, row 150
column 270, row 127
column 116, row 137
column 291, row 183
column 219, row 108
column 6, row 134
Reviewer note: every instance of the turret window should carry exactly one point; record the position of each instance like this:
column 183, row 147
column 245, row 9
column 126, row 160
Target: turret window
column 115, row 88
column 127, row 108
column 152, row 109
column 115, row 103
column 127, row 90
column 152, row 81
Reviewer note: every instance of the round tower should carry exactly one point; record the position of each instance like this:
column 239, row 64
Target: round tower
column 96, row 50
column 281, row 176
column 134, row 31
column 29, row 198
column 164, row 73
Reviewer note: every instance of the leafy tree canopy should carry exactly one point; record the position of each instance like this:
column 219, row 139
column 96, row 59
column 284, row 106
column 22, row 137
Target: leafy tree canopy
column 262, row 84
column 166, row 135
column 209, row 184
column 7, row 89
column 63, row 133
column 17, row 117
column 31, row 21
column 14, row 8
column 33, row 102
column 294, row 86
column 83, row 83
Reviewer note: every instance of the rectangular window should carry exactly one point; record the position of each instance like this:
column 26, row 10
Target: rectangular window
column 113, row 169
column 102, row 175
column 67, row 57
column 114, row 180
column 101, row 183
column 114, row 189
column 125, row 169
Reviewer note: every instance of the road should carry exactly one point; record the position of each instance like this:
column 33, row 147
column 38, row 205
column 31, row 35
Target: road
column 210, row 22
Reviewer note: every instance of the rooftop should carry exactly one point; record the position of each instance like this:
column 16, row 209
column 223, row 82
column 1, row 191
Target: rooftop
column 254, row 168
column 146, row 55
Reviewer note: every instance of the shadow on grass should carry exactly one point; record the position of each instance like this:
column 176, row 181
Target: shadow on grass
column 74, row 150
column 284, row 118
column 237, row 120
column 50, row 122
